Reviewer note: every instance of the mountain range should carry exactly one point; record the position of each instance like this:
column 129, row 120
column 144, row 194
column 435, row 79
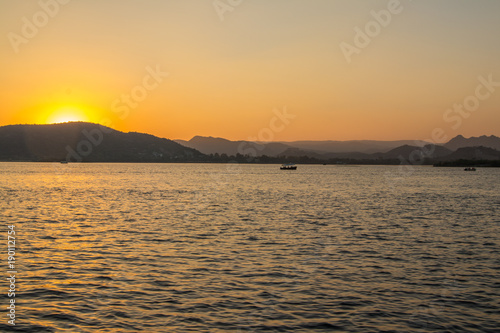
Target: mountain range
column 352, row 150
column 482, row 141
column 211, row 145
column 88, row 142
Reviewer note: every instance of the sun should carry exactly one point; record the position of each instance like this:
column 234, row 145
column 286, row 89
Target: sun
column 66, row 114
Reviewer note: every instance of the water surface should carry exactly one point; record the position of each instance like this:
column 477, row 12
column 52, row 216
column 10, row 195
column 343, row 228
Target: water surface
column 250, row 248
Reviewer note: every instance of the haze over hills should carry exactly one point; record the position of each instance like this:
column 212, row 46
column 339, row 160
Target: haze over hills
column 211, row 145
column 360, row 146
column 87, row 142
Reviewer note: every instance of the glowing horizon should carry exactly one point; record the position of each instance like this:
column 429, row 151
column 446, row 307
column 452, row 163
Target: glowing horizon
column 348, row 70
column 66, row 114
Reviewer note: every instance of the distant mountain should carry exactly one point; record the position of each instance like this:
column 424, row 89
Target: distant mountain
column 406, row 152
column 473, row 153
column 482, row 141
column 360, row 146
column 414, row 152
column 369, row 151
column 210, row 145
column 296, row 152
column 88, row 142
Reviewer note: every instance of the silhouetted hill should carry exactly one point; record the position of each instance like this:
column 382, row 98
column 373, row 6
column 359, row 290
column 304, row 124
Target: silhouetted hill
column 87, row 142
column 210, row 145
column 483, row 141
column 81, row 141
column 473, row 153
column 405, row 151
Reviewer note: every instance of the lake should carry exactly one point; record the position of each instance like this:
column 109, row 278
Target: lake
column 251, row 248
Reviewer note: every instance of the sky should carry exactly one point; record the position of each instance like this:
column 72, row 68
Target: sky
column 279, row 70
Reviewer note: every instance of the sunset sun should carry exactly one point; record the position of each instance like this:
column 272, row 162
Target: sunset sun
column 67, row 114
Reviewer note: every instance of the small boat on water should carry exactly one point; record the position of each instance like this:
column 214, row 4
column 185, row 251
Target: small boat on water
column 64, row 162
column 288, row 166
column 470, row 169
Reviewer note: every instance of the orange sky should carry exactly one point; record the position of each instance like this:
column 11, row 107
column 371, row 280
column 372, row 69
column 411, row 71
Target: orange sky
column 230, row 67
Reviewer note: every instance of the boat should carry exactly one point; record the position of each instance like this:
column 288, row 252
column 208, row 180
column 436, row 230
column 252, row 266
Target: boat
column 64, row 162
column 288, row 166
column 470, row 169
